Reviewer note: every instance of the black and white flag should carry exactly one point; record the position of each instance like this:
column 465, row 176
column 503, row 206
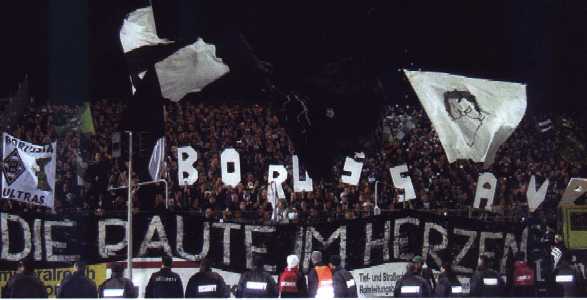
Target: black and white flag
column 28, row 171
column 472, row 117
column 185, row 70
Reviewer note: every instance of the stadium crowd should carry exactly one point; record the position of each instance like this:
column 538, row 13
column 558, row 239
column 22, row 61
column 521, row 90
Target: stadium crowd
column 257, row 134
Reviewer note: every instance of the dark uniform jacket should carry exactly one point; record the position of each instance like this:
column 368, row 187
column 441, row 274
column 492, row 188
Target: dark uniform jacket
column 412, row 280
column 566, row 288
column 25, row 285
column 344, row 283
column 119, row 283
column 77, row 286
column 445, row 285
column 206, row 284
column 256, row 284
column 164, row 284
column 482, row 287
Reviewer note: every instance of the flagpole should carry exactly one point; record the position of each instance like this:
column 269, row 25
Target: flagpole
column 129, row 209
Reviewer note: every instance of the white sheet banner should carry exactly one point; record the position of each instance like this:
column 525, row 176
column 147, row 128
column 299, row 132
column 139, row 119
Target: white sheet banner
column 28, row 171
column 473, row 117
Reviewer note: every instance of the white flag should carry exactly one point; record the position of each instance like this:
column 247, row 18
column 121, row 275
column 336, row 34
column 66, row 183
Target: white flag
column 157, row 159
column 189, row 69
column 472, row 117
column 28, row 171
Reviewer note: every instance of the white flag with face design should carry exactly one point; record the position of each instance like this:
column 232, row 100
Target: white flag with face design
column 472, row 117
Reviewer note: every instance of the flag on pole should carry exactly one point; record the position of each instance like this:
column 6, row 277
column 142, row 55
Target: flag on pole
column 472, row 117
column 157, row 160
column 87, row 121
column 28, row 171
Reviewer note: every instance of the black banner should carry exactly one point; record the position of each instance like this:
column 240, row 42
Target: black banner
column 397, row 236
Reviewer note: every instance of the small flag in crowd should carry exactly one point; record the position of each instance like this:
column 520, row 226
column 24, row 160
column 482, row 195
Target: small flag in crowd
column 157, row 159
column 472, row 117
column 87, row 121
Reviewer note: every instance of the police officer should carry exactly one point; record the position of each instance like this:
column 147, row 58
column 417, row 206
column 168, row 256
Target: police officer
column 523, row 278
column 256, row 283
column 24, row 283
column 117, row 282
column 77, row 285
column 424, row 271
column 486, row 282
column 448, row 285
column 292, row 283
column 412, row 285
column 566, row 279
column 164, row 283
column 343, row 282
column 206, row 284
column 320, row 284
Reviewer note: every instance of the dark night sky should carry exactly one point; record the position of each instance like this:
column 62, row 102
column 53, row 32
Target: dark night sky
column 71, row 49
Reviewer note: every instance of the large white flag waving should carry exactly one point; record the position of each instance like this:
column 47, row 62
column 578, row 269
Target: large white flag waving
column 472, row 117
column 28, row 171
column 189, row 69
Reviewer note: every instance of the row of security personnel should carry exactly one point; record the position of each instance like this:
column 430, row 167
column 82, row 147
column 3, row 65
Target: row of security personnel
column 324, row 280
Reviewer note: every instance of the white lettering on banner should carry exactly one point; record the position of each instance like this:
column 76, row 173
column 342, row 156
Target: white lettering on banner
column 536, row 197
column 107, row 250
column 487, row 236
column 252, row 285
column 155, row 226
column 403, row 182
column 456, row 289
column 179, row 241
column 299, row 185
column 26, row 230
column 433, row 249
column 186, row 173
column 230, row 156
column 279, row 179
column 37, row 240
column 354, row 167
column 490, row 281
column 472, row 235
column 510, row 244
column 226, row 239
column 371, row 244
column 312, row 233
column 484, row 192
column 51, row 245
column 396, row 233
column 207, row 288
column 251, row 249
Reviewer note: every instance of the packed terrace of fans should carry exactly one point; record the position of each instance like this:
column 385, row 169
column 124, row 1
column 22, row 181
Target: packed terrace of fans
column 257, row 134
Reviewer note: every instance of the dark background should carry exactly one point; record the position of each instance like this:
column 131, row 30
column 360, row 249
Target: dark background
column 71, row 51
